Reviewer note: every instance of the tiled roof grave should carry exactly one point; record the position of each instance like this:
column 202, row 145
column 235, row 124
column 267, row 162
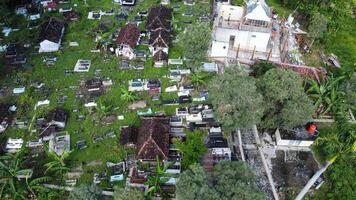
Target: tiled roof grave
column 129, row 35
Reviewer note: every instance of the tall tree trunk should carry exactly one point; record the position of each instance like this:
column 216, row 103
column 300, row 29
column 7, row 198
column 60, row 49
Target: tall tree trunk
column 264, row 162
column 311, row 181
column 312, row 42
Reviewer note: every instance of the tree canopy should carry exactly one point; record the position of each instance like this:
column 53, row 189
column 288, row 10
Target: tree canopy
column 286, row 104
column 86, row 192
column 128, row 194
column 230, row 180
column 317, row 26
column 192, row 148
column 261, row 68
column 235, row 98
column 340, row 176
column 195, row 43
column 335, row 11
column 348, row 86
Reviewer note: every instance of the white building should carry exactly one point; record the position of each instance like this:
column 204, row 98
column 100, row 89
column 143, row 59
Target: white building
column 296, row 138
column 127, row 40
column 243, row 32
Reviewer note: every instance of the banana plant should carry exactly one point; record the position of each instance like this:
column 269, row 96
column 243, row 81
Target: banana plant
column 102, row 108
column 326, row 95
column 155, row 182
column 57, row 165
column 10, row 169
column 198, row 79
column 36, row 185
column 127, row 96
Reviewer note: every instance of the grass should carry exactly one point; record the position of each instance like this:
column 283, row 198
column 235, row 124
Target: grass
column 279, row 8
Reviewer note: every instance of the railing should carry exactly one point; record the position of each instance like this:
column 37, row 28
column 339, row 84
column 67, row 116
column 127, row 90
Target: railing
column 255, row 28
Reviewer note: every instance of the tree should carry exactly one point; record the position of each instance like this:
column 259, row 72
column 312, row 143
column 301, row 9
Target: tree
column 260, row 68
column 317, row 27
column 229, row 180
column 192, row 148
column 195, row 43
column 128, row 194
column 340, row 182
column 348, row 87
column 193, row 184
column 235, row 180
column 284, row 99
column 86, row 192
column 235, row 99
column 335, row 11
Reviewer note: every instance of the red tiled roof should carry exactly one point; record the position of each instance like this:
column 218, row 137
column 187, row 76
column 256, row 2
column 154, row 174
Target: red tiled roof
column 160, row 56
column 153, row 138
column 305, row 71
column 128, row 135
column 159, row 17
column 159, row 36
column 129, row 35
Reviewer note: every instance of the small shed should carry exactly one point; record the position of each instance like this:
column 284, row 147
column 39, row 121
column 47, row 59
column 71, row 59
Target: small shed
column 51, row 35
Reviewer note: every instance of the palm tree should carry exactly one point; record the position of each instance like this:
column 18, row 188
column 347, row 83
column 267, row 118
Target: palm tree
column 155, row 182
column 127, row 96
column 10, row 169
column 326, row 94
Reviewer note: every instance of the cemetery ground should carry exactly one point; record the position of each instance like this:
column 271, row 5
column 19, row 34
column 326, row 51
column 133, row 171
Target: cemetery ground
column 61, row 86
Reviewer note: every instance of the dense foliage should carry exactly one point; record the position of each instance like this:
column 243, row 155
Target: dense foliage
column 195, row 43
column 192, row 148
column 286, row 104
column 341, row 179
column 277, row 97
column 326, row 94
column 334, row 10
column 348, row 87
column 128, row 194
column 317, row 27
column 86, row 192
column 235, row 98
column 230, row 180
column 261, row 68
